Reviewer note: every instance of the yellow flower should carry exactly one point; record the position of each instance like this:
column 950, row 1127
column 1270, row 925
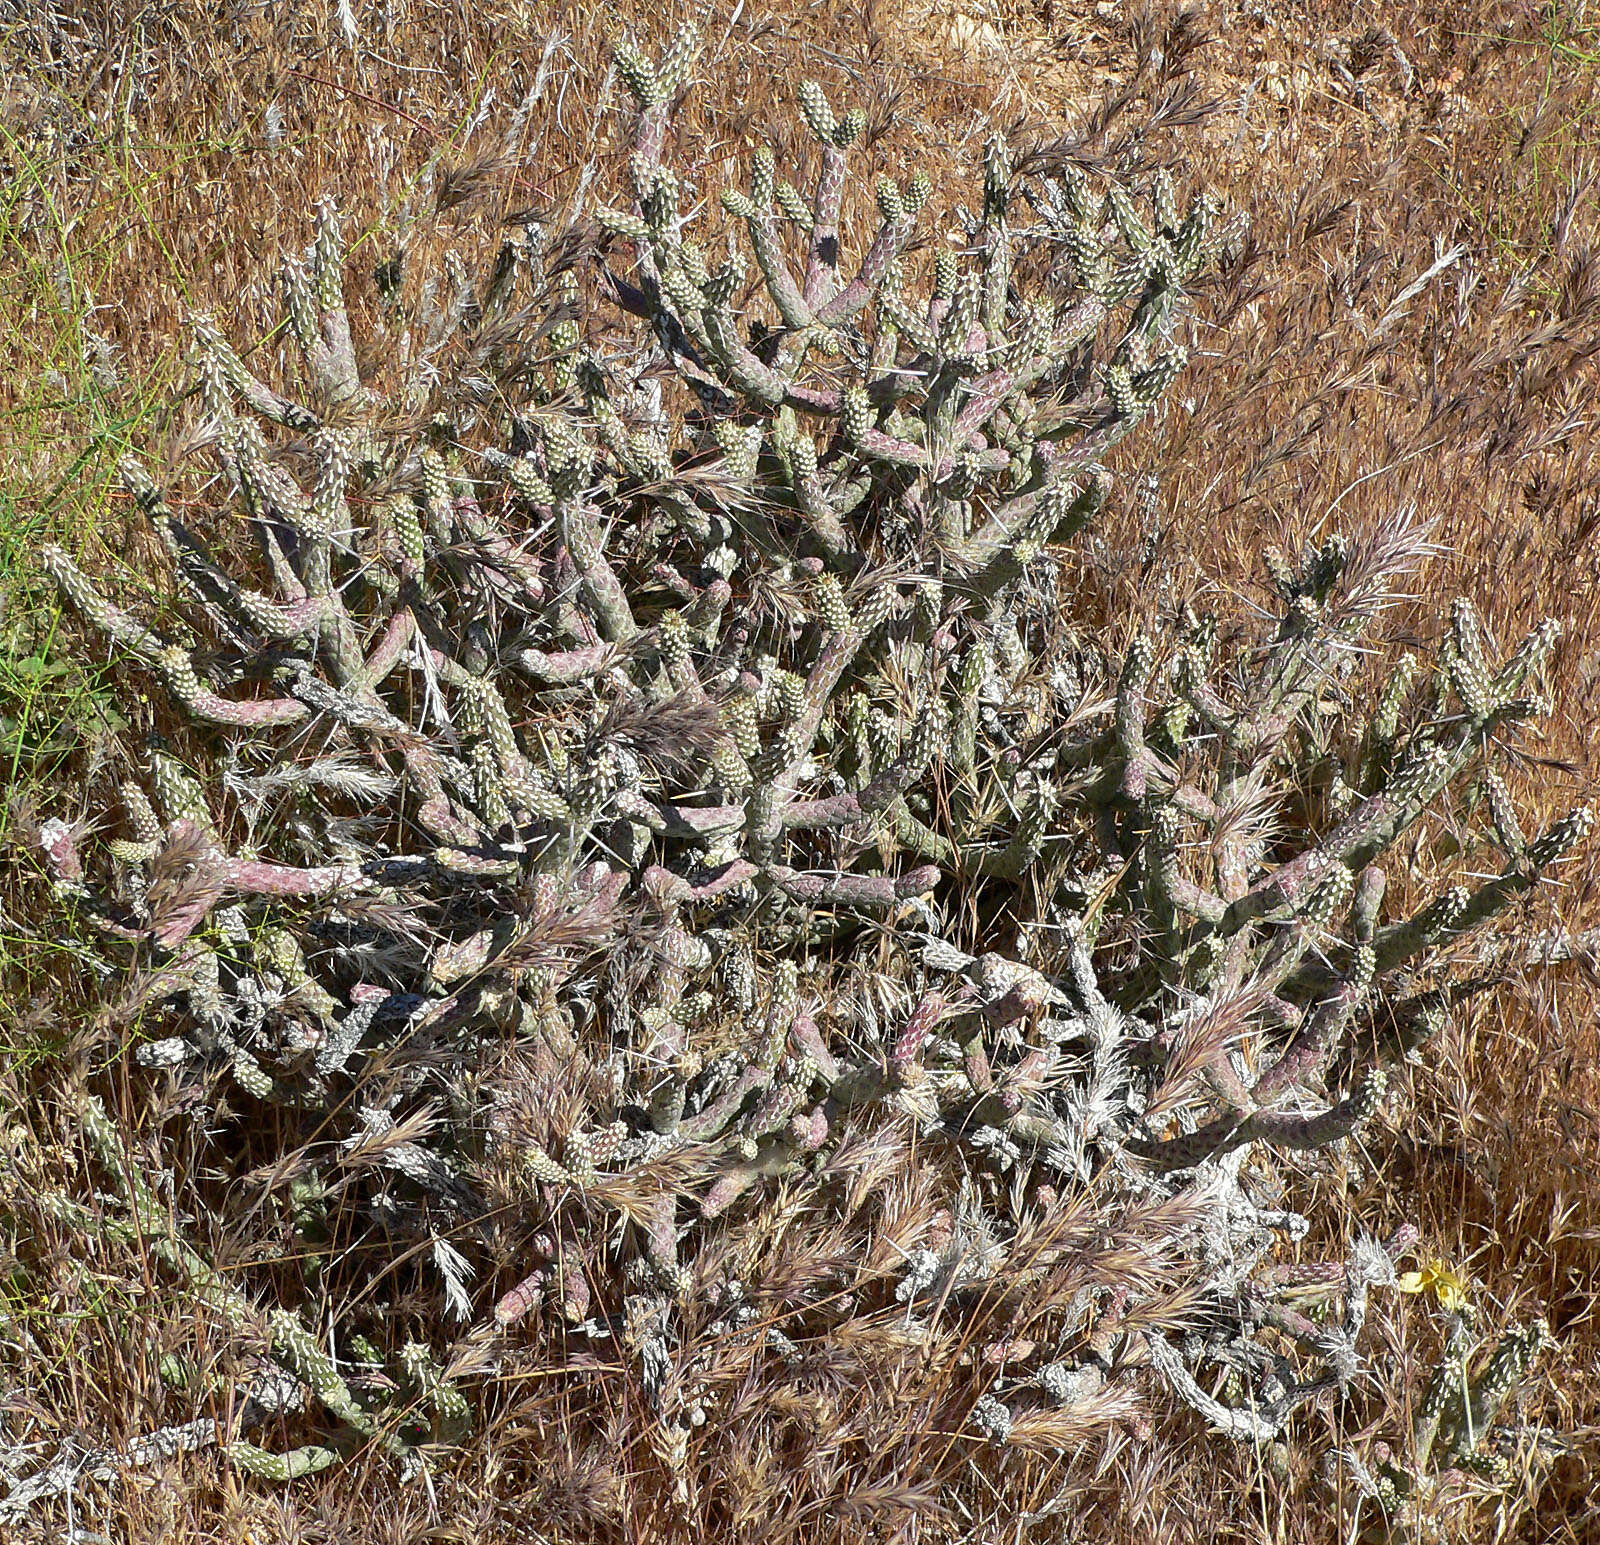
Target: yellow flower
column 1447, row 1284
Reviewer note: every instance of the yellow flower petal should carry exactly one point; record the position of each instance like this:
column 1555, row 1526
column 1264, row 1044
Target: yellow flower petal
column 1440, row 1278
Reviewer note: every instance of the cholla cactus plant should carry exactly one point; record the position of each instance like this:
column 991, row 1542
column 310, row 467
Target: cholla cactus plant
column 1459, row 1441
column 667, row 781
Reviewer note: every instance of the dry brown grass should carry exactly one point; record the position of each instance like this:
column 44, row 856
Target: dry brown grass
column 1416, row 324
